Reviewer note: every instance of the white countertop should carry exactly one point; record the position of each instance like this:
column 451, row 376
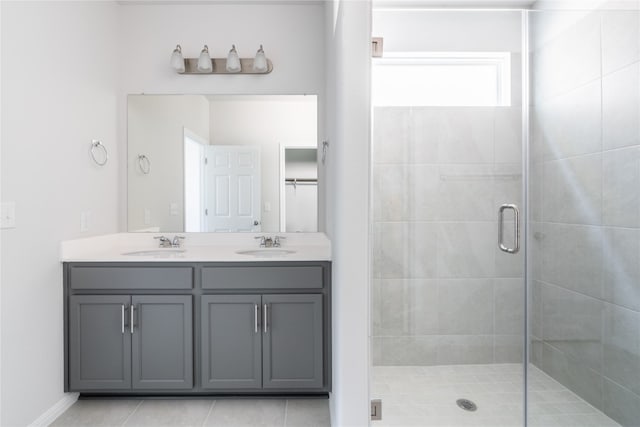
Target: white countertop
column 198, row 247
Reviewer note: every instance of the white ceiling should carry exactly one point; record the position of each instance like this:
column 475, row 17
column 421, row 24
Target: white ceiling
column 458, row 4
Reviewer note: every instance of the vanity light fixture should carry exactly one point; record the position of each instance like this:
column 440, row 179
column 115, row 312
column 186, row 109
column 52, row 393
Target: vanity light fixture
column 204, row 62
column 177, row 61
column 260, row 61
column 233, row 61
column 232, row 64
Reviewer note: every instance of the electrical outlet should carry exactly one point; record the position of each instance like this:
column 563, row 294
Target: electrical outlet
column 173, row 209
column 267, row 206
column 8, row 215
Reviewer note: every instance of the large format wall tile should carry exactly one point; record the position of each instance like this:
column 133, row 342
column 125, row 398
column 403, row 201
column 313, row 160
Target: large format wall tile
column 465, row 249
column 464, row 349
column 573, row 190
column 572, row 122
column 405, row 250
column 569, row 60
column 465, row 193
column 508, row 134
column 621, row 267
column 621, row 346
column 465, row 135
column 406, row 307
column 621, row 187
column 422, row 191
column 508, row 348
column 572, row 257
column 574, row 375
column 465, row 306
column 423, row 135
column 391, row 190
column 620, row 39
column 509, row 306
column 390, row 134
column 621, row 404
column 621, row 107
column 572, row 323
column 409, row 350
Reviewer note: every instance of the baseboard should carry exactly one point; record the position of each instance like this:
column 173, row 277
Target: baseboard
column 56, row 410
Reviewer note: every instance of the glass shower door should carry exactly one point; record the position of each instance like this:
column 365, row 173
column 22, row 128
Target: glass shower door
column 584, row 217
column 447, row 303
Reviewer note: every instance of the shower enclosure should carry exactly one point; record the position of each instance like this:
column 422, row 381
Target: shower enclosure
column 479, row 115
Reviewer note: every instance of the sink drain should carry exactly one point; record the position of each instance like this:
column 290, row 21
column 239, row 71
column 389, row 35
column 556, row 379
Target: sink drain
column 466, row 404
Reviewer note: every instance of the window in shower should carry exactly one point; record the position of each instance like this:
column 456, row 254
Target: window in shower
column 442, row 79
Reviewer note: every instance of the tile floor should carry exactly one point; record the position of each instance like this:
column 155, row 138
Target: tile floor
column 224, row 412
column 426, row 396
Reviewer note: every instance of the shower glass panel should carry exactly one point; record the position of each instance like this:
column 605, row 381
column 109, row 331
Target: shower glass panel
column 584, row 217
column 447, row 304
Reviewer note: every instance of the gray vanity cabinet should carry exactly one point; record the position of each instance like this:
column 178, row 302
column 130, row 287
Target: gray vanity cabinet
column 262, row 341
column 99, row 344
column 292, row 342
column 121, row 342
column 161, row 354
column 231, row 342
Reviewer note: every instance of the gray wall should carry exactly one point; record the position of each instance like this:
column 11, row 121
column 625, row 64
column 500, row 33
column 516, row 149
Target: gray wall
column 585, row 204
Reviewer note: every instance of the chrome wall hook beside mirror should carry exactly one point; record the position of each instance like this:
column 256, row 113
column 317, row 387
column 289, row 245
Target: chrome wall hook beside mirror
column 144, row 163
column 98, row 152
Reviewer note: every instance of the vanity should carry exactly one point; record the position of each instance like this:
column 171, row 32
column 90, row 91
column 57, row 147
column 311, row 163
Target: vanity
column 219, row 317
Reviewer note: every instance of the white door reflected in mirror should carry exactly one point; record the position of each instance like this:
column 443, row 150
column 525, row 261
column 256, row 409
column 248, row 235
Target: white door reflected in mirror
column 181, row 193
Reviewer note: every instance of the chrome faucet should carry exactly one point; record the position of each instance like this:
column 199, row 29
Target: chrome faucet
column 270, row 242
column 166, row 243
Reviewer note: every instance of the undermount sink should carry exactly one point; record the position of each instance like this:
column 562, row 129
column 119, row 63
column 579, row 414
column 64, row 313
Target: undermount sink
column 266, row 252
column 156, row 252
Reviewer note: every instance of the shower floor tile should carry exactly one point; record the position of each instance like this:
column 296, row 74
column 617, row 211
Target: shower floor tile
column 426, row 396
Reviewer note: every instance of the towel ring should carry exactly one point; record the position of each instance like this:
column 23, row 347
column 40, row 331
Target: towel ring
column 144, row 163
column 97, row 145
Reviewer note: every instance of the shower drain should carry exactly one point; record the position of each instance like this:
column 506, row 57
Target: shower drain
column 466, row 404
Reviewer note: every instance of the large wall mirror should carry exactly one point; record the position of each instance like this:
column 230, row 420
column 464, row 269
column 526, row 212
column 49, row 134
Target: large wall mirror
column 222, row 163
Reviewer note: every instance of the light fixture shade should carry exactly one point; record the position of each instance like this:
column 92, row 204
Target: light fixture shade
column 177, row 61
column 233, row 61
column 204, row 61
column 260, row 61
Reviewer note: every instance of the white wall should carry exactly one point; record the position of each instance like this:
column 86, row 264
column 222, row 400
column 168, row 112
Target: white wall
column 292, row 35
column 156, row 129
column 347, row 31
column 58, row 93
column 266, row 122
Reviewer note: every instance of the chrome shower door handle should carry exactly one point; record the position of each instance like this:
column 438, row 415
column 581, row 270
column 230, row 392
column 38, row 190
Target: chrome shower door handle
column 516, row 228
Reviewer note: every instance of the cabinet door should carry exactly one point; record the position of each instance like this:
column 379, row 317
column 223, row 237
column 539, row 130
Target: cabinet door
column 231, row 342
column 99, row 342
column 292, row 343
column 162, row 342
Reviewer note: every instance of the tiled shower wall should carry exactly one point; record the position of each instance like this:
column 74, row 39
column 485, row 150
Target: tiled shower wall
column 585, row 204
column 442, row 291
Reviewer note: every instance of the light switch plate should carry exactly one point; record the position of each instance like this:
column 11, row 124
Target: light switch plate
column 85, row 221
column 8, row 215
column 173, row 209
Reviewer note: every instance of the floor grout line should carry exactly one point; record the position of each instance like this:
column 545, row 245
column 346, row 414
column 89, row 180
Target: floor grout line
column 132, row 412
column 213, row 403
column 286, row 411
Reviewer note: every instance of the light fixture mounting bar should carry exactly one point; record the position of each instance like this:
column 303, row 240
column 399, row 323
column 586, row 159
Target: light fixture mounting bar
column 220, row 66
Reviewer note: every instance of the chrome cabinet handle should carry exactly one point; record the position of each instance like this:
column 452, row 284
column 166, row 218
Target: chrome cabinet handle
column 516, row 229
column 122, row 318
column 266, row 327
column 255, row 317
column 133, row 309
